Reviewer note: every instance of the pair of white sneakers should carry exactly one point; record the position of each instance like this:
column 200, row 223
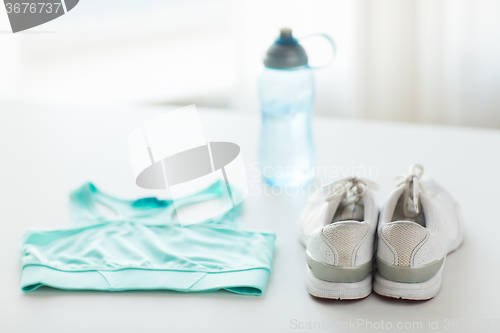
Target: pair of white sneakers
column 346, row 238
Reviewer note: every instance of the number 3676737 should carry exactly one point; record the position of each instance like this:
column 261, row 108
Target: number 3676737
column 33, row 7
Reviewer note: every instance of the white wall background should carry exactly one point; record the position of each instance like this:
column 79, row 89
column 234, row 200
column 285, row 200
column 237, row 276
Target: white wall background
column 411, row 60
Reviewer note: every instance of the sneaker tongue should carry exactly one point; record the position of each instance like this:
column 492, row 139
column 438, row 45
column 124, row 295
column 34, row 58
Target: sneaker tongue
column 349, row 209
column 353, row 212
column 409, row 210
column 410, row 214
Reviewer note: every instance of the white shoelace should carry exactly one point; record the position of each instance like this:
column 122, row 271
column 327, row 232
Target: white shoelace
column 412, row 183
column 347, row 185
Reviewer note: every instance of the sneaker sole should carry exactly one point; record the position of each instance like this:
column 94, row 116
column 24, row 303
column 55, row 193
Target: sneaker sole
column 410, row 291
column 338, row 290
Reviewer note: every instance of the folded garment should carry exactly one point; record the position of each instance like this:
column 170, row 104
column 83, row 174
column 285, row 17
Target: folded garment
column 139, row 246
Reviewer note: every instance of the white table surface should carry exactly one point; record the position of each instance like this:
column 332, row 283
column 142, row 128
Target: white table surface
column 47, row 151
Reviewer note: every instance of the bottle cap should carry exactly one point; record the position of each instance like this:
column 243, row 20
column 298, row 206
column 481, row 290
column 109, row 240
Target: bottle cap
column 286, row 52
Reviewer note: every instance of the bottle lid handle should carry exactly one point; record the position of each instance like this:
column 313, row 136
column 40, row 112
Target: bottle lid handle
column 332, row 44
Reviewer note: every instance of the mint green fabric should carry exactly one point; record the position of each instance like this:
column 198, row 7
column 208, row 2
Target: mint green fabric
column 138, row 245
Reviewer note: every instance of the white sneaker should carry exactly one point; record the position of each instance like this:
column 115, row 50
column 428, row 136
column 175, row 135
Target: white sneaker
column 419, row 225
column 338, row 229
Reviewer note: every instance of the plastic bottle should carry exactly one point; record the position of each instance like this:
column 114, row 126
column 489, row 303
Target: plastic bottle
column 286, row 93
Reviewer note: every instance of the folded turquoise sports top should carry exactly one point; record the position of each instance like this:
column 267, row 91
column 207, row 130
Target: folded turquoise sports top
column 139, row 246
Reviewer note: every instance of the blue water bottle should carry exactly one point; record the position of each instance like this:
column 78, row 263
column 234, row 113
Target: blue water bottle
column 286, row 93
